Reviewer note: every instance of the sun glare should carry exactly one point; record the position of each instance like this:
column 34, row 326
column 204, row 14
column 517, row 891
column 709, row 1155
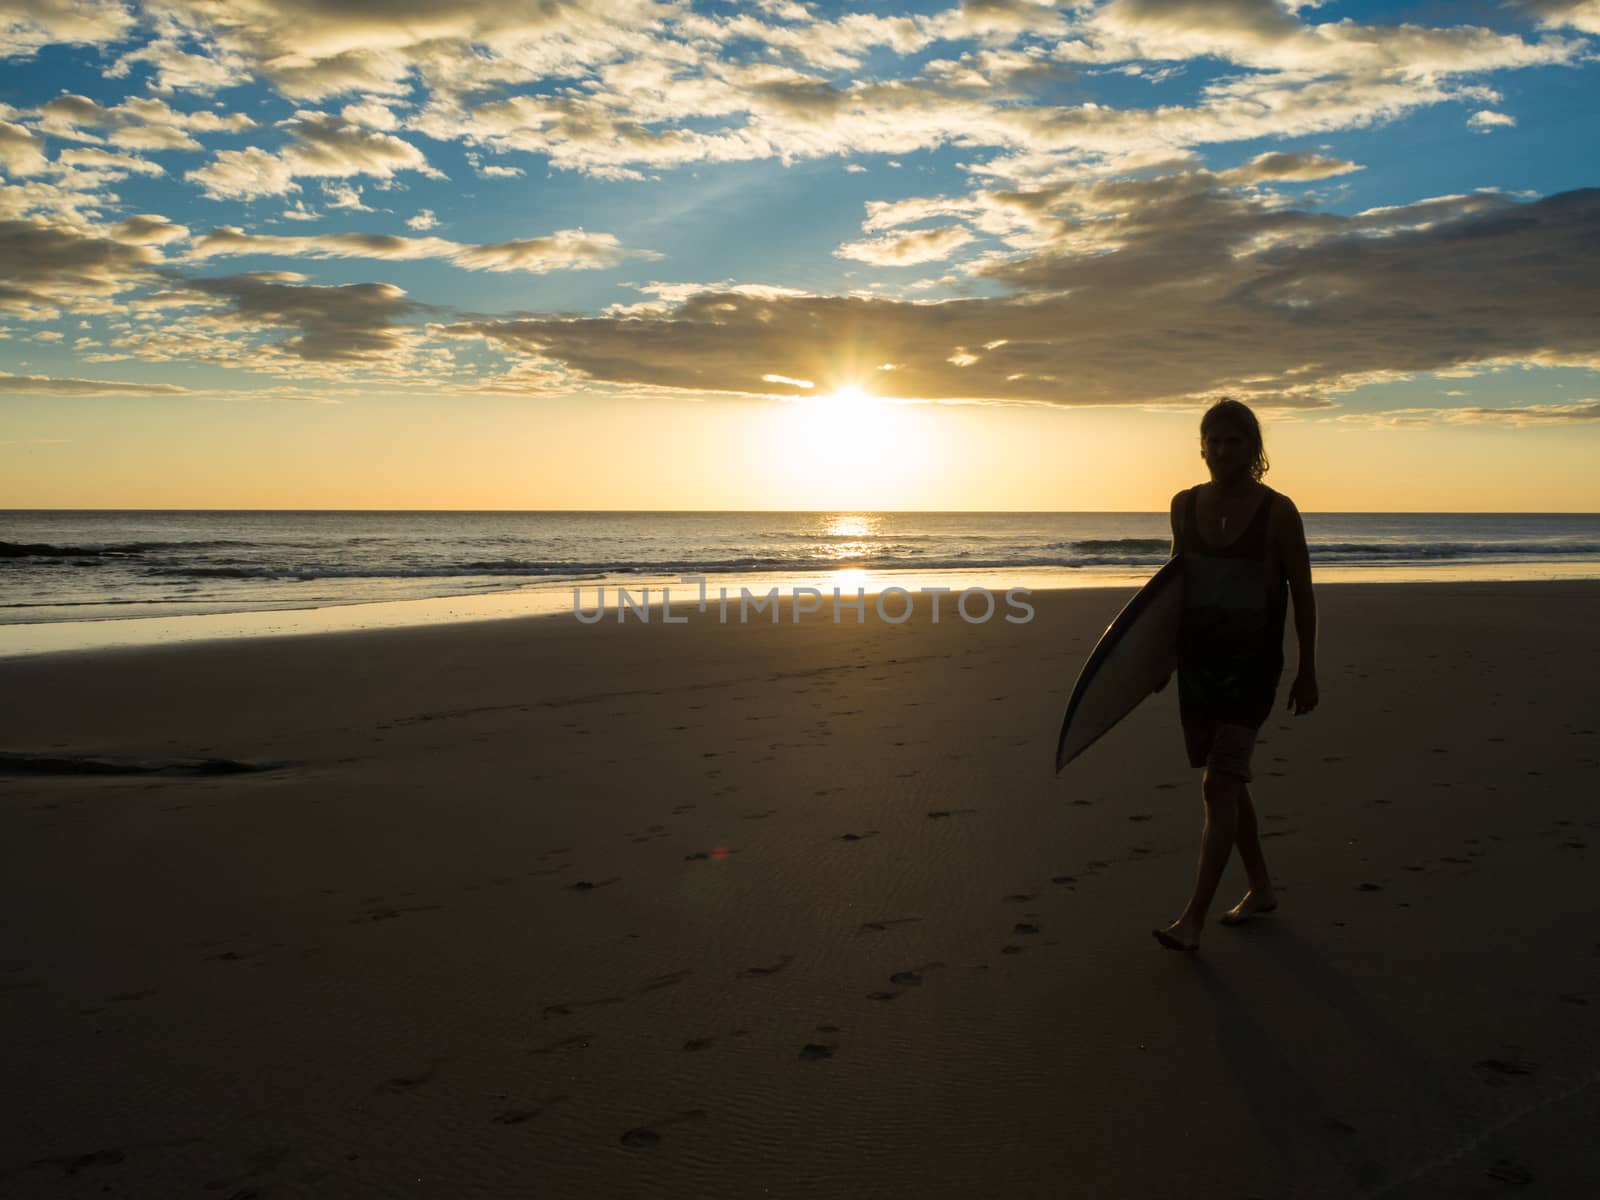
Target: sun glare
column 849, row 448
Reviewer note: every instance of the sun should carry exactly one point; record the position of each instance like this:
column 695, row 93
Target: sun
column 849, row 448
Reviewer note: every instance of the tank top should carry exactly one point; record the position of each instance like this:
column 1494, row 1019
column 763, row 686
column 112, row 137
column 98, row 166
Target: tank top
column 1230, row 643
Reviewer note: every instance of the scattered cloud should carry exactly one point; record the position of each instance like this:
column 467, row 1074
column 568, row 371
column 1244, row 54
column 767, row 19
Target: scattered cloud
column 1525, row 416
column 909, row 248
column 321, row 145
column 564, row 250
column 20, row 152
column 43, row 385
column 27, row 26
column 140, row 123
column 360, row 321
column 1570, row 14
column 47, row 268
column 1484, row 121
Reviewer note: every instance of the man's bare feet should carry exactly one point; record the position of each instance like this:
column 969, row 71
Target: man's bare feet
column 1178, row 936
column 1248, row 907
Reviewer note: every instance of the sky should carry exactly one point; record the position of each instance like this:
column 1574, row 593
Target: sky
column 663, row 254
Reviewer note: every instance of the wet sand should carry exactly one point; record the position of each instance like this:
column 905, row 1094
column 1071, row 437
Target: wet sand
column 525, row 907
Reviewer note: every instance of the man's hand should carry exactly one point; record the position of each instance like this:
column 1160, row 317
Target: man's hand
column 1303, row 695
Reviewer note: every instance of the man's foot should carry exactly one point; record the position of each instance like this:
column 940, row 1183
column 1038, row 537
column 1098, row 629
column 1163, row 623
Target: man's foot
column 1248, row 907
column 1178, row 936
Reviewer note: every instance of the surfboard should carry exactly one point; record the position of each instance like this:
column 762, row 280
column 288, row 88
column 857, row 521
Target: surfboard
column 1137, row 651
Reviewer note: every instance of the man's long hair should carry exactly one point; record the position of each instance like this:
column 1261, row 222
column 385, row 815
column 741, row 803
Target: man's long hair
column 1237, row 415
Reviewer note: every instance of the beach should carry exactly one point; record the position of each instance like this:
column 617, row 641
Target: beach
column 529, row 907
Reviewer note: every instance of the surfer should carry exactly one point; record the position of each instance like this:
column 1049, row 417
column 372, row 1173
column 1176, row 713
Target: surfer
column 1244, row 556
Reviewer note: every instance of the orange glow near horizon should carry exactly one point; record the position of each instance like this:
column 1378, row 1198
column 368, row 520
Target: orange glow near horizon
column 842, row 451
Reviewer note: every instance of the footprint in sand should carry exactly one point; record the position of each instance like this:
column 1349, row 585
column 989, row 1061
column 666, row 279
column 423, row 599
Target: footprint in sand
column 857, row 837
column 883, row 923
column 657, row 982
column 586, row 885
column 389, row 914
column 516, row 1116
column 762, row 972
column 574, row 1041
column 644, row 1137
column 1505, row 1170
column 406, row 1083
column 1497, row 1071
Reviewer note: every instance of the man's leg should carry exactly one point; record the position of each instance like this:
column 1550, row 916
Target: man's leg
column 1220, row 791
column 1260, row 897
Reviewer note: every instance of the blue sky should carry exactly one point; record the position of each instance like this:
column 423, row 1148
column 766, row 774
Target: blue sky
column 1335, row 210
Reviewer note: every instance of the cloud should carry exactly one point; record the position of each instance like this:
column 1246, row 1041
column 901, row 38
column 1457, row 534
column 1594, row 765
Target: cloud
column 423, row 220
column 907, row 249
column 20, row 152
column 147, row 230
column 1149, row 292
column 28, row 25
column 1526, row 416
column 47, row 267
column 208, row 66
column 564, row 250
column 350, row 322
column 1267, row 35
column 1485, row 121
column 1574, row 14
column 1298, row 168
column 139, row 123
column 344, row 195
column 42, row 385
column 620, row 88
column 90, row 166
column 322, row 146
column 313, row 51
column 244, row 175
column 370, row 114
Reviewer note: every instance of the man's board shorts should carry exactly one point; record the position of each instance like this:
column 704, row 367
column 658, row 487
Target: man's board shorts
column 1221, row 746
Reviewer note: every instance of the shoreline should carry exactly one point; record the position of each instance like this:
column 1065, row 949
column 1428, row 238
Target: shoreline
column 31, row 639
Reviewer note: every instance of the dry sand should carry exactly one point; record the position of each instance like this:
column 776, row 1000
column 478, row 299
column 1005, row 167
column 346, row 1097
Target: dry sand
column 530, row 908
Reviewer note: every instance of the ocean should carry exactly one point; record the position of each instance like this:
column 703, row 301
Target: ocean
column 75, row 565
